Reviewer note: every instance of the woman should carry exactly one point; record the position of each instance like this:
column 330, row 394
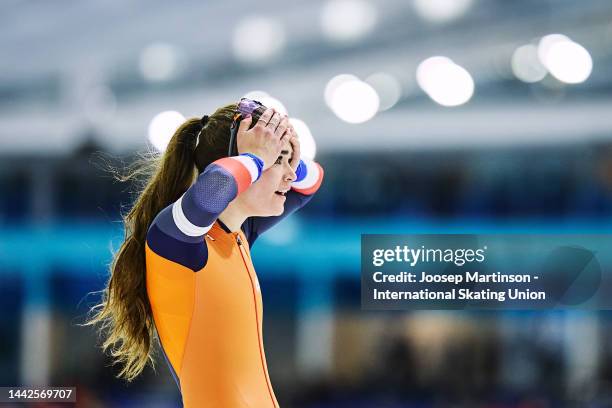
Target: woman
column 184, row 272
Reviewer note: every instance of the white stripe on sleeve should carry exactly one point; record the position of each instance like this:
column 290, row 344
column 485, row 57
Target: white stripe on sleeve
column 184, row 224
column 312, row 176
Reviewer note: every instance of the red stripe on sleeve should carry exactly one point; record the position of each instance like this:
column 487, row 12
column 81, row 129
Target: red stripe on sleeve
column 238, row 170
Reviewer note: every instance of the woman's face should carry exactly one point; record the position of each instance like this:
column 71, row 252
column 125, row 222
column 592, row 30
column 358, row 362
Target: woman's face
column 265, row 197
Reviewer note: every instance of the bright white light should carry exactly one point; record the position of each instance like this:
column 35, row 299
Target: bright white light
column 347, row 20
column 355, row 101
column 258, row 38
column 526, row 65
column 440, row 11
column 569, row 62
column 565, row 59
column 159, row 62
column 444, row 81
column 308, row 146
column 387, row 87
column 548, row 41
column 333, row 84
column 267, row 100
column 162, row 127
column 428, row 69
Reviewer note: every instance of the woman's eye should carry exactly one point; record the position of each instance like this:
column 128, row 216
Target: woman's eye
column 279, row 160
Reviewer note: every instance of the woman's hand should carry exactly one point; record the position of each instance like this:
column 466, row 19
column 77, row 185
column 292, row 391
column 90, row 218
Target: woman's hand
column 295, row 145
column 264, row 140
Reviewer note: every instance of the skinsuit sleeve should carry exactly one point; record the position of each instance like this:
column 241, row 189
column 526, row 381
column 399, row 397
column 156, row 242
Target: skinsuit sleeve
column 177, row 231
column 309, row 178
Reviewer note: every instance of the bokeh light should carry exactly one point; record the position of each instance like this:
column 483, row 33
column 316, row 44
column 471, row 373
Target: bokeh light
column 333, row 84
column 354, row 101
column 345, row 21
column 445, row 82
column 387, row 87
column 440, row 11
column 569, row 62
column 525, row 64
column 159, row 62
column 308, row 146
column 547, row 42
column 162, row 127
column 257, row 39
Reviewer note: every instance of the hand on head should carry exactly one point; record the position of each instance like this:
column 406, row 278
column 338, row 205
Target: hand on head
column 265, row 139
column 295, row 144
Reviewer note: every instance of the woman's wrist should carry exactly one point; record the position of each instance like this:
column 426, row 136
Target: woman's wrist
column 255, row 166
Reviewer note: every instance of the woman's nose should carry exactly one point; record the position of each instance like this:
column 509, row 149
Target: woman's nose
column 290, row 174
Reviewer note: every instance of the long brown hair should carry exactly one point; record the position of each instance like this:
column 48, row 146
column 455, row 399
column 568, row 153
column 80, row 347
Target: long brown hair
column 124, row 315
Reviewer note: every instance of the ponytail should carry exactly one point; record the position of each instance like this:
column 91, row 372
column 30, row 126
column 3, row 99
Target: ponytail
column 124, row 315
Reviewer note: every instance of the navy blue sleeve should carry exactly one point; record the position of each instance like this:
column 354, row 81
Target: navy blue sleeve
column 255, row 226
column 309, row 176
column 177, row 232
column 166, row 240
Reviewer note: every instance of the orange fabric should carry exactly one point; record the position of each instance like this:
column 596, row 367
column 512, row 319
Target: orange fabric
column 170, row 288
column 218, row 355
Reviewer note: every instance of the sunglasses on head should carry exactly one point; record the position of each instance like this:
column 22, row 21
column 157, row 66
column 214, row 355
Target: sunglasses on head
column 245, row 107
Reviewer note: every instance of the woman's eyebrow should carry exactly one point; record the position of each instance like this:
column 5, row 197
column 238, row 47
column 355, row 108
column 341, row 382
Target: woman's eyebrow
column 284, row 152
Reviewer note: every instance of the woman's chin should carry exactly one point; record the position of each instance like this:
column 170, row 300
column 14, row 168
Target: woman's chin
column 276, row 210
column 278, row 206
column 271, row 211
column 280, row 211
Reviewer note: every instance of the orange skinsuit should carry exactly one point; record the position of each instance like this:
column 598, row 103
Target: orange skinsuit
column 210, row 324
column 209, row 318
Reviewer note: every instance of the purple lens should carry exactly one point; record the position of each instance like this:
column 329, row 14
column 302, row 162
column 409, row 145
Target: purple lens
column 248, row 106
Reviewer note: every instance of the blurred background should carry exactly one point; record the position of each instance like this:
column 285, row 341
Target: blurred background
column 429, row 116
